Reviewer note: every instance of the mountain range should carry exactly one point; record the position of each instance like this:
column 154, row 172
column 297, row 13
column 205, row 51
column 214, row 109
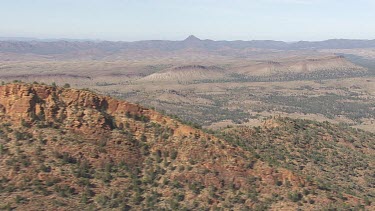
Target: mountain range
column 24, row 45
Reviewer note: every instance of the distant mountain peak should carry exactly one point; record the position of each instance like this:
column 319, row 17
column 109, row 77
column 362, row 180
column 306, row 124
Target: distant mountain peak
column 192, row 38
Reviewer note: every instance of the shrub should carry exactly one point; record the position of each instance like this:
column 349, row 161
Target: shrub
column 24, row 123
column 64, row 190
column 173, row 154
column 137, row 199
column 2, row 149
column 102, row 199
column 19, row 199
column 22, row 136
column 45, row 168
column 295, row 196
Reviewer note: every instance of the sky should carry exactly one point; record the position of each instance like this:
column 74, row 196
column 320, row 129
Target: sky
column 130, row 20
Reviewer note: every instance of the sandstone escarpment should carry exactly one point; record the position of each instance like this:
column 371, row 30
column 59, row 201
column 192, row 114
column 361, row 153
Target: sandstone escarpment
column 77, row 109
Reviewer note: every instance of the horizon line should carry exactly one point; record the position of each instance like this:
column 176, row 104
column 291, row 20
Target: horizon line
column 192, row 37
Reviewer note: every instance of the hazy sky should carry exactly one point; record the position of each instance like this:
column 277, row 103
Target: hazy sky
column 289, row 20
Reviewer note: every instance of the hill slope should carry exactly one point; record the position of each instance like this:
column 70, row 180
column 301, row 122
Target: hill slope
column 300, row 66
column 65, row 149
column 337, row 158
column 186, row 73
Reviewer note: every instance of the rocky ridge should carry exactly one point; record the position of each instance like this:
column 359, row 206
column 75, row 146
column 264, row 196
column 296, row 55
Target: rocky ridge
column 65, row 149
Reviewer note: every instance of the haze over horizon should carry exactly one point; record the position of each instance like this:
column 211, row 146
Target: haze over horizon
column 186, row 38
column 129, row 20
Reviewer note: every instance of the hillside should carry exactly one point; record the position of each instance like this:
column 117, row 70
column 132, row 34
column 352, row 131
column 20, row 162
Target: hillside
column 186, row 73
column 299, row 66
column 276, row 70
column 67, row 149
column 337, row 158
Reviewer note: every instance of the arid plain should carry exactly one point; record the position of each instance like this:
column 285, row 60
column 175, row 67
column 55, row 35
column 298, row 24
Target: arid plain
column 212, row 83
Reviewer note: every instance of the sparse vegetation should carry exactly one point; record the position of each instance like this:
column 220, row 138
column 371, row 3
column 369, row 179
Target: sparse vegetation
column 313, row 149
column 151, row 162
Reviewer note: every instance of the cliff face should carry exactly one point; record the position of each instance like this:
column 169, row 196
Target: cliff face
column 106, row 153
column 77, row 109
